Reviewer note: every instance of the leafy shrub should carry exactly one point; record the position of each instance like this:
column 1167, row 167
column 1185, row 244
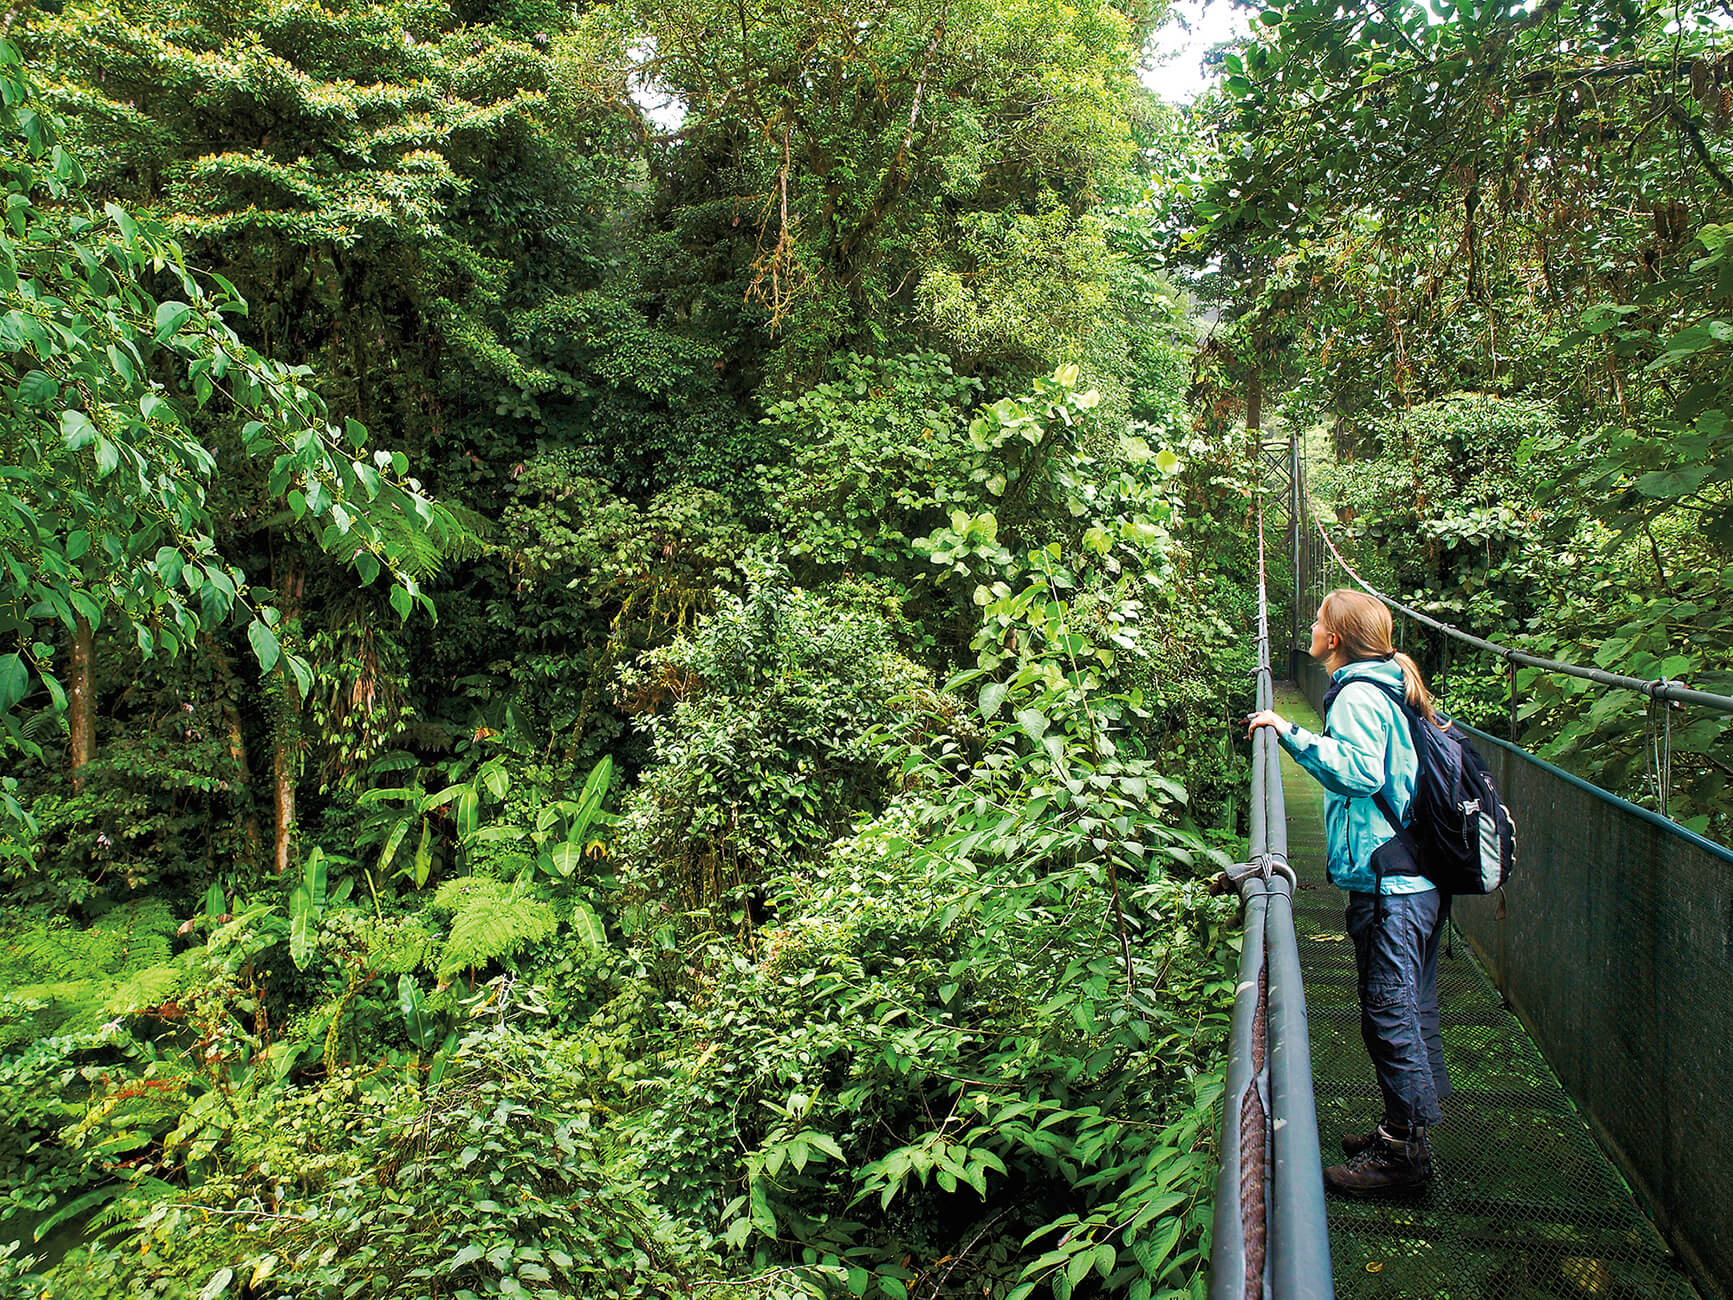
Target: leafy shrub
column 765, row 752
column 871, row 460
column 502, row 1180
column 959, row 1034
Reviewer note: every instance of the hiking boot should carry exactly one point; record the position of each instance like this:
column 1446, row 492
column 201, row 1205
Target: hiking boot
column 1354, row 1143
column 1388, row 1164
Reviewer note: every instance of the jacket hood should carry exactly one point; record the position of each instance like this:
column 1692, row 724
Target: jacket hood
column 1384, row 670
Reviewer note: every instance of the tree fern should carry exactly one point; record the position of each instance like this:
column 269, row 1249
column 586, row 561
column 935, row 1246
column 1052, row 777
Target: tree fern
column 150, row 987
column 58, row 979
column 33, row 1011
column 399, row 945
column 490, row 921
column 39, row 947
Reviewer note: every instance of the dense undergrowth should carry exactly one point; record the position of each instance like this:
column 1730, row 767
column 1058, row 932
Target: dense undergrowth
column 593, row 705
column 780, row 869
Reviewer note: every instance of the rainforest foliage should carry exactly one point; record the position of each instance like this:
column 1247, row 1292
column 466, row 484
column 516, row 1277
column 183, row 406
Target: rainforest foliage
column 619, row 621
column 1487, row 246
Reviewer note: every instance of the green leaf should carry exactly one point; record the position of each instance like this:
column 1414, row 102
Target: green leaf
column 1034, row 723
column 313, row 876
column 169, row 563
column 1105, row 1258
column 422, row 866
column 265, row 645
column 589, row 926
column 401, row 601
column 169, row 317
column 760, row 1212
column 465, row 1257
column 76, row 429
column 38, row 389
column 14, row 680
column 299, row 670
column 992, row 697
column 1677, row 482
column 301, row 923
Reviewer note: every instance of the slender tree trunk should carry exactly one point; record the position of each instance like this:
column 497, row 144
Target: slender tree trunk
column 286, row 729
column 1255, row 394
column 81, row 699
column 284, row 770
column 243, row 797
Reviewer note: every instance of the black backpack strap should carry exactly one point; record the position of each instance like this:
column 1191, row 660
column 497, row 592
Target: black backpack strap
column 1403, row 834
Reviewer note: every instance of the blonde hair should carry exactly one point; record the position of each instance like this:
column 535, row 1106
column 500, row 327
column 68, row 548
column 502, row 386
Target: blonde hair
column 1362, row 625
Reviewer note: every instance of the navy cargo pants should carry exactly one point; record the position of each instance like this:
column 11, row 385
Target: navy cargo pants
column 1396, row 955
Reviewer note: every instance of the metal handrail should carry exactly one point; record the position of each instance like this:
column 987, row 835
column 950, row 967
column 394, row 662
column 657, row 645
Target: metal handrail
column 1271, row 1235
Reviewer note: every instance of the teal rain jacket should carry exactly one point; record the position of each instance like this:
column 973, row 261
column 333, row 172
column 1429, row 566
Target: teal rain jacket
column 1366, row 747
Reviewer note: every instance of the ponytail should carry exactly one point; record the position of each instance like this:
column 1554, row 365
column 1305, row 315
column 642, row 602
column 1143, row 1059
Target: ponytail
column 1362, row 625
column 1414, row 687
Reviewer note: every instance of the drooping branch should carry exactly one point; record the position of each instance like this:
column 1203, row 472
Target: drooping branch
column 1694, row 134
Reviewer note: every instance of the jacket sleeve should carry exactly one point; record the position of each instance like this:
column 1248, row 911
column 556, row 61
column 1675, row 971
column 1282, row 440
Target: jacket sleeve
column 1352, row 757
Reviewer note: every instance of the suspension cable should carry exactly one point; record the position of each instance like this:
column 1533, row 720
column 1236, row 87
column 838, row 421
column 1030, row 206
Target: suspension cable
column 1660, row 688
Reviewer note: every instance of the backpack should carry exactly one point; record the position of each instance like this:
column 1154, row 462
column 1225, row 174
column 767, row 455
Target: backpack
column 1461, row 835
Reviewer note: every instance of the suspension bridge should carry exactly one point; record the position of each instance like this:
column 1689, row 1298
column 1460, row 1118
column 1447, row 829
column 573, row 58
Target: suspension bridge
column 1585, row 1020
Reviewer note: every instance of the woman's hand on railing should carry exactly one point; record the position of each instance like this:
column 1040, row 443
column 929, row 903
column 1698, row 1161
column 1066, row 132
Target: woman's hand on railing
column 1266, row 718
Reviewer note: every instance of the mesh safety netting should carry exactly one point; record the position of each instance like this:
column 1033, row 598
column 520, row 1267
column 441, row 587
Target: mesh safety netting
column 1525, row 1201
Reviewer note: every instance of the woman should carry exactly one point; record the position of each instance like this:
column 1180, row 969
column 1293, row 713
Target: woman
column 1395, row 915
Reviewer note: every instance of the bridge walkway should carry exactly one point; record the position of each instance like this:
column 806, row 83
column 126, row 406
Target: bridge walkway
column 1525, row 1203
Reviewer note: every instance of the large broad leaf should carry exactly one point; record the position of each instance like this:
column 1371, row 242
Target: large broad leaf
column 313, row 877
column 423, row 855
column 589, row 926
column 424, row 1029
column 264, row 642
column 1681, row 480
column 301, row 926
column 14, row 680
column 566, row 857
column 992, row 697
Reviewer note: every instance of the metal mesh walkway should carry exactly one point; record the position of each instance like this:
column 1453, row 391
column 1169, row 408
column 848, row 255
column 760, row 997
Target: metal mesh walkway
column 1525, row 1203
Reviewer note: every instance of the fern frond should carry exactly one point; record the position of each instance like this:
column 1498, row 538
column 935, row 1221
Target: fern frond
column 397, row 947
column 469, row 533
column 34, row 1011
column 150, row 987
column 488, row 923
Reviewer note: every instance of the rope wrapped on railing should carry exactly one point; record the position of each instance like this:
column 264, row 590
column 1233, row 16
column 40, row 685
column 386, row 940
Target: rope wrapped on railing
column 1271, row 1237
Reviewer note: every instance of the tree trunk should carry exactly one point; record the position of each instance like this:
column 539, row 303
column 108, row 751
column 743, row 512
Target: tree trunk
column 81, row 699
column 1255, row 394
column 286, row 729
column 285, row 753
column 243, row 795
